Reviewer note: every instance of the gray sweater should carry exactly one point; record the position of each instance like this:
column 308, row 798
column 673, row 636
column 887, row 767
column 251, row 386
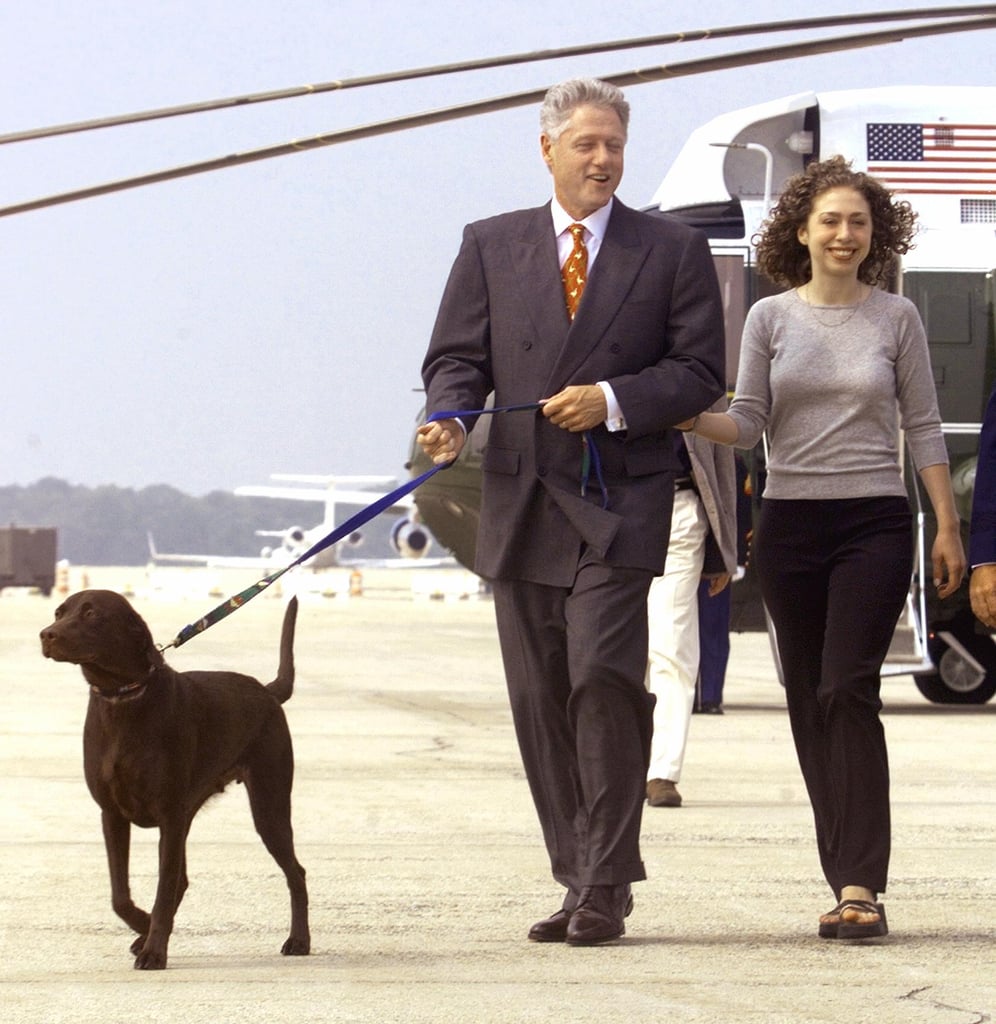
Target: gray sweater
column 831, row 397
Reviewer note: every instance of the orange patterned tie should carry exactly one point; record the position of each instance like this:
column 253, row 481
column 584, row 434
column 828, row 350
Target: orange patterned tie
column 575, row 270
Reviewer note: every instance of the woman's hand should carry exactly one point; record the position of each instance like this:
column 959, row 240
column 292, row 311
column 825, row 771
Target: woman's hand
column 949, row 563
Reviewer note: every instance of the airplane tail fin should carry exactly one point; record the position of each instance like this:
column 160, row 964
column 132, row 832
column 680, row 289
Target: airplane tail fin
column 283, row 686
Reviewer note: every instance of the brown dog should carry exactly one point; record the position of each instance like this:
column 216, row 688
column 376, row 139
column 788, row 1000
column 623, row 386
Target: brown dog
column 158, row 743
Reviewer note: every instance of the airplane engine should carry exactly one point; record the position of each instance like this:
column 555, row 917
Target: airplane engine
column 410, row 539
column 292, row 539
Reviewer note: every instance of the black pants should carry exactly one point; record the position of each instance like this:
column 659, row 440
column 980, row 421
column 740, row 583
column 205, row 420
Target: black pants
column 575, row 662
column 834, row 576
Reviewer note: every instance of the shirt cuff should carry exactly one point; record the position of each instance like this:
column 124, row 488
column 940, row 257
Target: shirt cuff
column 614, row 419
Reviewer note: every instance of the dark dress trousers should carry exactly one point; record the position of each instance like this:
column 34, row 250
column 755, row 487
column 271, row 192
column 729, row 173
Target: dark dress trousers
column 570, row 576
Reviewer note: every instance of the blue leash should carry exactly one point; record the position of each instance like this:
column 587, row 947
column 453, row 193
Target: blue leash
column 350, row 525
column 344, row 530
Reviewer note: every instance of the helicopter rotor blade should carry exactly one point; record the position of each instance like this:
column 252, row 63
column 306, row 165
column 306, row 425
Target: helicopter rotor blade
column 638, row 77
column 339, row 85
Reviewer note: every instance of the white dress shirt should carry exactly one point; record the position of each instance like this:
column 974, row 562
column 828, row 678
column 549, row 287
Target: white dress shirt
column 595, row 226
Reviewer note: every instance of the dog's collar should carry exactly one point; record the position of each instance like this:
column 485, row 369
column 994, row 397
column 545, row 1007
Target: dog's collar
column 130, row 691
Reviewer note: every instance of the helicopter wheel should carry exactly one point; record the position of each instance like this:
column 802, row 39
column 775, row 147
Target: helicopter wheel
column 957, row 680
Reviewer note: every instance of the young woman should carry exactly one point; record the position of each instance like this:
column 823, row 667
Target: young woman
column 831, row 369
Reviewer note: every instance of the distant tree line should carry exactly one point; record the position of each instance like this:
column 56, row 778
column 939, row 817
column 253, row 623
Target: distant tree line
column 110, row 525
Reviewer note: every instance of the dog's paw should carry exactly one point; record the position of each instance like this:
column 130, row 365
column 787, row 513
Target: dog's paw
column 296, row 947
column 150, row 960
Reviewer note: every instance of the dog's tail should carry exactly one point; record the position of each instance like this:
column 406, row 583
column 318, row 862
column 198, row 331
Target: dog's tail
column 283, row 686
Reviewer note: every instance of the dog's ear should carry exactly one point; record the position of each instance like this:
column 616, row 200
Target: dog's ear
column 142, row 636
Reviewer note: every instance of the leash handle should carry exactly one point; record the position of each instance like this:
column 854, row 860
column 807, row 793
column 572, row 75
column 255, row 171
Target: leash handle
column 451, row 414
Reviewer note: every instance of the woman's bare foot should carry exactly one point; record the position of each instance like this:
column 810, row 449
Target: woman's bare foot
column 858, row 914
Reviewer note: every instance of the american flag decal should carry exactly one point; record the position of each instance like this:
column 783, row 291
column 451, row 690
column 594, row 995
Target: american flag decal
column 934, row 159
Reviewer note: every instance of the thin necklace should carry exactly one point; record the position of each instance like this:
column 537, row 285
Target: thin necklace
column 851, row 310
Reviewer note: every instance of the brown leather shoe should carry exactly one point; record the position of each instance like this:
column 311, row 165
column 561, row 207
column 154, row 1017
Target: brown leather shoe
column 663, row 793
column 599, row 915
column 552, row 928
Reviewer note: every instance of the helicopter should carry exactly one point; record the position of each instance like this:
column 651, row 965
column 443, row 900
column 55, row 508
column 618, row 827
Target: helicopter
column 723, row 182
column 449, row 504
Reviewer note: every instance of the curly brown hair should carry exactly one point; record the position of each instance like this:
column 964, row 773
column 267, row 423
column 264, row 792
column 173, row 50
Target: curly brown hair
column 783, row 259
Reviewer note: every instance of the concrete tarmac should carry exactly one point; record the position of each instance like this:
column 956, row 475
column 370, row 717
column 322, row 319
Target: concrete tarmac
column 424, row 858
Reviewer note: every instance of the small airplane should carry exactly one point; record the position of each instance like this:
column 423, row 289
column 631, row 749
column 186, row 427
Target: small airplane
column 409, row 538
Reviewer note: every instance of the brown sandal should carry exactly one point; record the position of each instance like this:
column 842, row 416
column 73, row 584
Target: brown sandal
column 832, row 926
column 830, row 922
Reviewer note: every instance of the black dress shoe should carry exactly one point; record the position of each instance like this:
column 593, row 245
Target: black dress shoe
column 551, row 929
column 599, row 915
column 710, row 707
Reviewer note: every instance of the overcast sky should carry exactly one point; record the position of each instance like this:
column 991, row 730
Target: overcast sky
column 207, row 332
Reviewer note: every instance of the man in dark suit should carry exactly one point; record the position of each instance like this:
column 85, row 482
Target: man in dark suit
column 577, row 496
column 982, row 535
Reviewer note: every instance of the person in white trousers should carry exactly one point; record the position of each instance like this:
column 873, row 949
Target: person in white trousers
column 703, row 543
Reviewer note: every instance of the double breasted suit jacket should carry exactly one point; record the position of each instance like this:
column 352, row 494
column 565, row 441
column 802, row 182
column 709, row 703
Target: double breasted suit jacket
column 650, row 323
